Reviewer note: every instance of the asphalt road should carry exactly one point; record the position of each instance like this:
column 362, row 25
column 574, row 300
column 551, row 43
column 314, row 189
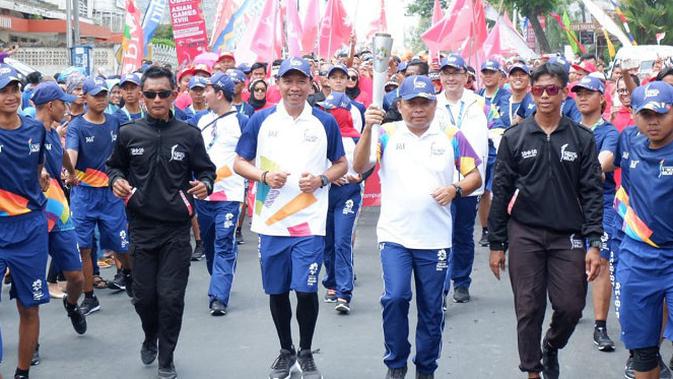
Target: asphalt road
column 479, row 337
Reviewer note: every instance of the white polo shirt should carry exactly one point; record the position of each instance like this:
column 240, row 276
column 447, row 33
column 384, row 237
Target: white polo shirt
column 412, row 168
column 221, row 137
column 278, row 142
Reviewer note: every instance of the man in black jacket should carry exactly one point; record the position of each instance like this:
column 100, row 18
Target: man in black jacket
column 152, row 168
column 547, row 207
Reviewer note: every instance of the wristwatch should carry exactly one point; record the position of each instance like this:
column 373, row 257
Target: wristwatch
column 323, row 181
column 596, row 243
column 459, row 190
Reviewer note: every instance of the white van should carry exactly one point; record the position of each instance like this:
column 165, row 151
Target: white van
column 645, row 55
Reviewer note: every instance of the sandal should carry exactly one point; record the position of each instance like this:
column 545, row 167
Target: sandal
column 98, row 282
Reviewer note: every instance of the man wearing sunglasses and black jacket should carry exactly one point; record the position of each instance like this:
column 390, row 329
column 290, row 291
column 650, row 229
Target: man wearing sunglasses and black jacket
column 158, row 166
column 547, row 209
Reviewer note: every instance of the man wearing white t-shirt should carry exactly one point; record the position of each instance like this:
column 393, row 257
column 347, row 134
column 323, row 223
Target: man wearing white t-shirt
column 293, row 152
column 221, row 129
column 418, row 160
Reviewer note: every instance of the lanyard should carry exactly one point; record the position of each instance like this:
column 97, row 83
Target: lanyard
column 214, row 132
column 597, row 124
column 142, row 114
column 460, row 114
column 511, row 114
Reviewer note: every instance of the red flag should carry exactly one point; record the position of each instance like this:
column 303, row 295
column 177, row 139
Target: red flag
column 379, row 23
column 132, row 40
column 294, row 30
column 266, row 41
column 335, row 29
column 463, row 29
column 660, row 36
column 437, row 16
column 310, row 27
column 505, row 41
column 225, row 9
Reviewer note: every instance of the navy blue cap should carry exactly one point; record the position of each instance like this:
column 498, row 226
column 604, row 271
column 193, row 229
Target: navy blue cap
column 236, row 75
column 336, row 100
column 417, row 86
column 561, row 61
column 490, row 65
column 519, row 66
column 337, row 67
column 245, row 68
column 133, row 78
column 294, row 64
column 50, row 91
column 222, row 82
column 198, row 81
column 7, row 75
column 654, row 96
column 590, row 83
column 402, row 66
column 452, row 60
column 94, row 86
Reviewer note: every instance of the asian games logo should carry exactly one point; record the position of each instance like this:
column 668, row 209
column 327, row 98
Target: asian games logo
column 442, row 260
column 38, row 294
column 348, row 207
column 123, row 239
column 312, row 274
column 228, row 220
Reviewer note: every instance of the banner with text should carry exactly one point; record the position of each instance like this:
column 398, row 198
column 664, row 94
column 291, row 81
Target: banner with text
column 189, row 29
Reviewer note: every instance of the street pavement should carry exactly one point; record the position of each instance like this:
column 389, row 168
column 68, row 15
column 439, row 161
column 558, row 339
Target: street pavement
column 479, row 337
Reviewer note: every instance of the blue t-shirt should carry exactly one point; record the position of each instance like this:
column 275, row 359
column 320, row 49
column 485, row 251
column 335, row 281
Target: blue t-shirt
column 124, row 116
column 21, row 152
column 645, row 200
column 500, row 100
column 607, row 137
column 245, row 109
column 193, row 116
column 94, row 144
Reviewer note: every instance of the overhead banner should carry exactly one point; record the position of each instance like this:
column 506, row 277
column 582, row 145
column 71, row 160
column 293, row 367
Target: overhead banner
column 189, row 29
column 153, row 16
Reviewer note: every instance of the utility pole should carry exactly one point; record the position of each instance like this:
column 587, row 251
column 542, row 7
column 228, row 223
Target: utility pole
column 68, row 26
column 76, row 21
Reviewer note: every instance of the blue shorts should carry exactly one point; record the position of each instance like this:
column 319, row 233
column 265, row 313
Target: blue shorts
column 644, row 280
column 63, row 250
column 609, row 215
column 23, row 248
column 290, row 263
column 490, row 167
column 93, row 207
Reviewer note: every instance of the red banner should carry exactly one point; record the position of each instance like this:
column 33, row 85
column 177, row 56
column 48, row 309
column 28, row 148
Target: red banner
column 372, row 197
column 132, row 40
column 189, row 29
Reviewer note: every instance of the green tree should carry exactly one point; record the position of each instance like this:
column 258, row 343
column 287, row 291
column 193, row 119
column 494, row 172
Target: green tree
column 532, row 9
column 649, row 17
column 423, row 8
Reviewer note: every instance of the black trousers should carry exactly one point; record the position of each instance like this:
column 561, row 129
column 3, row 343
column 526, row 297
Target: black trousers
column 544, row 263
column 161, row 259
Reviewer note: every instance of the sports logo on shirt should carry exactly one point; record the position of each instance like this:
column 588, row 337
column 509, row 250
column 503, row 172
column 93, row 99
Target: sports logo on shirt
column 634, row 163
column 529, row 154
column 176, row 155
column 437, row 149
column 113, row 136
column 37, row 290
column 136, row 151
column 576, row 243
column 309, row 136
column 89, row 139
column 569, row 156
column 1, row 146
column 442, row 261
column 33, row 147
column 228, row 220
column 47, row 146
column 312, row 274
column 348, row 207
column 665, row 170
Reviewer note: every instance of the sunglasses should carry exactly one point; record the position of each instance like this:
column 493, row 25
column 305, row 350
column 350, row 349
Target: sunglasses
column 260, row 89
column 352, row 77
column 552, row 90
column 153, row 94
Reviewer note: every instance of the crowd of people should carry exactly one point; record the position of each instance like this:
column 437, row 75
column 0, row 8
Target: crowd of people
column 566, row 166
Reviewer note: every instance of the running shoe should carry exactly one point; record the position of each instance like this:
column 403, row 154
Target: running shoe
column 330, row 296
column 89, row 305
column 198, row 252
column 549, row 362
column 343, row 307
column 283, row 365
column 35, row 360
column 239, row 237
column 307, row 365
column 602, row 340
column 167, row 372
column 217, row 308
column 396, row 373
column 461, row 295
column 148, row 351
column 118, row 283
column 629, row 372
column 77, row 319
column 483, row 241
column 664, row 371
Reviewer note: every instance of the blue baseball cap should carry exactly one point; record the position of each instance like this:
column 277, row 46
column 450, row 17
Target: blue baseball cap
column 50, row 91
column 402, row 66
column 197, row 81
column 294, row 64
column 490, row 65
column 337, row 67
column 222, row 82
column 560, row 61
column 236, row 75
column 417, row 86
column 654, row 96
column 245, row 68
column 7, row 75
column 520, row 67
column 453, row 60
column 336, row 100
column 590, row 83
column 133, row 78
column 94, row 86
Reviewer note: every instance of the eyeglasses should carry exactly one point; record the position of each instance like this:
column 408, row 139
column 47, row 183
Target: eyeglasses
column 165, row 94
column 260, row 89
column 452, row 73
column 623, row 91
column 352, row 77
column 552, row 90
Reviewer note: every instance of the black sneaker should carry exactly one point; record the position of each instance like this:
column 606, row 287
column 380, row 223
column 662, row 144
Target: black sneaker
column 420, row 375
column 461, row 295
column 89, row 305
column 118, row 283
column 343, row 307
column 483, row 241
column 283, row 366
column 602, row 340
column 549, row 362
column 35, row 360
column 77, row 319
column 307, row 365
column 444, row 307
column 396, row 373
column 664, row 371
column 330, row 296
column 239, row 237
column 629, row 372
column 128, row 281
column 167, row 372
column 198, row 252
column 148, row 351
column 217, row 308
